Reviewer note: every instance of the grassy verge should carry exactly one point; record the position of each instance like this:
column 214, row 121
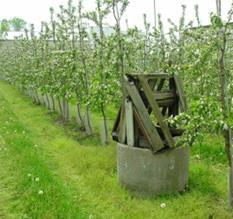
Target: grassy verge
column 37, row 192
column 80, row 176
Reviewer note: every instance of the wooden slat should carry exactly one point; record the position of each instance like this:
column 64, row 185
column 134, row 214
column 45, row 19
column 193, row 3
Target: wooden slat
column 141, row 128
column 122, row 126
column 180, row 89
column 137, row 131
column 156, row 111
column 129, row 122
column 143, row 143
column 148, row 126
column 166, row 102
column 164, row 95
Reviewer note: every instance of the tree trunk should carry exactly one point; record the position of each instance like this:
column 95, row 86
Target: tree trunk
column 79, row 116
column 88, row 127
column 60, row 105
column 105, row 140
column 37, row 97
column 227, row 132
column 228, row 149
column 230, row 195
column 67, row 117
column 53, row 103
column 64, row 108
column 44, row 101
column 48, row 102
column 33, row 96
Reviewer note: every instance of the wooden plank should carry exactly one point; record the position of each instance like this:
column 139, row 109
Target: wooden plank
column 156, row 111
column 136, row 131
column 164, row 95
column 148, row 127
column 142, row 129
column 180, row 89
column 166, row 102
column 122, row 126
column 129, row 123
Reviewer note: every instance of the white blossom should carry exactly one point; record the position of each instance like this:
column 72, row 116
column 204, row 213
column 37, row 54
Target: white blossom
column 40, row 192
column 163, row 205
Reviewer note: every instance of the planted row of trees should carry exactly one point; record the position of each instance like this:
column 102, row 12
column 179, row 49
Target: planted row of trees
column 79, row 58
column 14, row 24
column 76, row 56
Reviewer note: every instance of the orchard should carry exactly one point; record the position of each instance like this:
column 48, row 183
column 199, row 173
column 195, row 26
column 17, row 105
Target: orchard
column 76, row 64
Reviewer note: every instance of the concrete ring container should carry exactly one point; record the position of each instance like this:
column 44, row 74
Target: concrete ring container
column 148, row 174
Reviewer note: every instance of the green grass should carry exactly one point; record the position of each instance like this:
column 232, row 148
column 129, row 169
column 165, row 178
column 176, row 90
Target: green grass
column 79, row 178
column 40, row 193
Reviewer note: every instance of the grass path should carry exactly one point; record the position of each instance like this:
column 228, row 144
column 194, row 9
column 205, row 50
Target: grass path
column 7, row 184
column 78, row 178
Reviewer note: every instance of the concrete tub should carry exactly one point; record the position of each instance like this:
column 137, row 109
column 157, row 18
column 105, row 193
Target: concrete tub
column 150, row 174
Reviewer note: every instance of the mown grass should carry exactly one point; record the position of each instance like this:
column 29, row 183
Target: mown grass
column 79, row 178
column 38, row 192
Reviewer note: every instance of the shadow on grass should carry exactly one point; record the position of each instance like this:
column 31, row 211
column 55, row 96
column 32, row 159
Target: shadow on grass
column 76, row 132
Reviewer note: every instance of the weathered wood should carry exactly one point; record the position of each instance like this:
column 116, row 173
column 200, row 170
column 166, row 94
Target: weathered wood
column 143, row 143
column 166, row 102
column 137, row 131
column 180, row 89
column 156, row 111
column 160, row 95
column 147, row 124
column 144, row 94
column 129, row 122
column 122, row 126
column 143, row 131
